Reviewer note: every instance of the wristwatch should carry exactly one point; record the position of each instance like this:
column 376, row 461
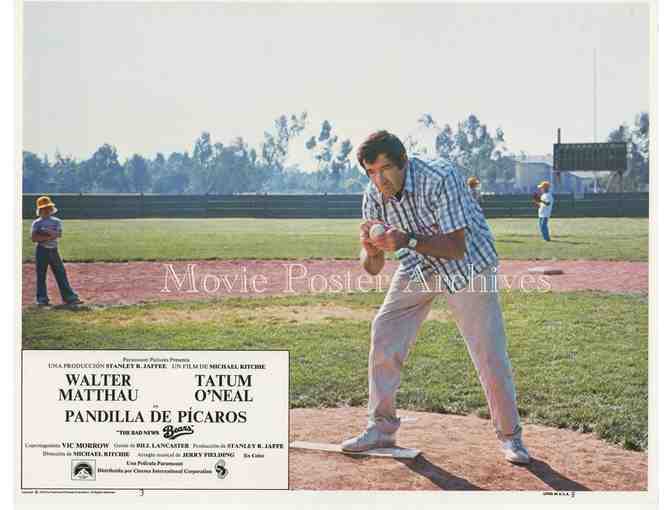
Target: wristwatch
column 412, row 241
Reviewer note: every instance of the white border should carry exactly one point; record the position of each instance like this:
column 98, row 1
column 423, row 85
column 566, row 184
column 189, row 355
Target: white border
column 659, row 352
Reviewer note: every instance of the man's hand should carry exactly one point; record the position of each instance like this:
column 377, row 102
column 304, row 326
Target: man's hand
column 367, row 243
column 391, row 240
column 43, row 235
column 49, row 234
column 372, row 258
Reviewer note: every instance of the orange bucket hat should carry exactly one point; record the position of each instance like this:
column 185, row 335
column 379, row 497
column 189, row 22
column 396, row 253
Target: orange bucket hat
column 43, row 202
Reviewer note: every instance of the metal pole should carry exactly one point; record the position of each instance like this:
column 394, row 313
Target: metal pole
column 594, row 110
column 595, row 95
column 556, row 171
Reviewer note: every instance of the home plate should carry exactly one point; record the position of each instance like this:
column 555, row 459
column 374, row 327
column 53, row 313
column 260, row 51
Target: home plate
column 545, row 270
column 396, row 453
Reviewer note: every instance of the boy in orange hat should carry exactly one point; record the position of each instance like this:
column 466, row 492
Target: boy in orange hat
column 45, row 231
column 474, row 184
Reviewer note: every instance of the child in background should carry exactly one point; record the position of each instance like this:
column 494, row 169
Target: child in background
column 45, row 232
column 474, row 185
column 545, row 205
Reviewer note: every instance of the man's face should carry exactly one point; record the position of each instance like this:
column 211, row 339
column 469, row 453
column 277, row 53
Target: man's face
column 386, row 175
column 46, row 211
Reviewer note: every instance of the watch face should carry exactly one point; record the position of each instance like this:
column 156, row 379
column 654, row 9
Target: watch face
column 412, row 242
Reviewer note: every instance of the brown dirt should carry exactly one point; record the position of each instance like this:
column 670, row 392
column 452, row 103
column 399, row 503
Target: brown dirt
column 459, row 453
column 135, row 282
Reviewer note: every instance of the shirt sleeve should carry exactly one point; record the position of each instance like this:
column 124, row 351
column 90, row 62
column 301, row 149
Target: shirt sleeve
column 370, row 208
column 448, row 202
column 33, row 227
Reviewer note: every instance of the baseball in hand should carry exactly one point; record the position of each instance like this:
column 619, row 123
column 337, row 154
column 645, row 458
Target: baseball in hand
column 376, row 230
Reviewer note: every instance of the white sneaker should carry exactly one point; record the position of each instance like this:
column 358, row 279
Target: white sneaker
column 515, row 451
column 370, row 439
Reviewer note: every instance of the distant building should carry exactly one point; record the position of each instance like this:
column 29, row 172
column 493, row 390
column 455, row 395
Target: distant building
column 531, row 171
column 502, row 186
column 530, row 167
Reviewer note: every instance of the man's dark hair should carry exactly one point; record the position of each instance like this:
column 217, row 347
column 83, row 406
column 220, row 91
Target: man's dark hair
column 382, row 142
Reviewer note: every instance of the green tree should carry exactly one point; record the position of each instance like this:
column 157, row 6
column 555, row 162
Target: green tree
column 330, row 163
column 203, row 180
column 138, row 174
column 474, row 148
column 36, row 173
column 445, row 143
column 275, row 149
column 471, row 147
column 102, row 172
column 175, row 175
column 637, row 138
column 340, row 166
column 157, row 167
column 66, row 174
column 230, row 165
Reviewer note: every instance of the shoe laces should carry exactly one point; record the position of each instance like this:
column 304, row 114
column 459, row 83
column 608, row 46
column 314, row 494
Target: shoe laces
column 365, row 434
column 372, row 432
column 517, row 444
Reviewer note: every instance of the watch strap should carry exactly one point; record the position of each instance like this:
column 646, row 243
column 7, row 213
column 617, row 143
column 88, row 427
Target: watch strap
column 412, row 241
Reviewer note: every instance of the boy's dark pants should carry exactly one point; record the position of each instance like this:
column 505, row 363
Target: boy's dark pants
column 44, row 258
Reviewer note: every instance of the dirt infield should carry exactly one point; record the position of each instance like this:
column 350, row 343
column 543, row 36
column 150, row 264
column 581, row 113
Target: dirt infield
column 135, row 282
column 459, row 453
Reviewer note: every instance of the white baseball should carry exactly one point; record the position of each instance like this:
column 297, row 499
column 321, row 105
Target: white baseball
column 376, row 230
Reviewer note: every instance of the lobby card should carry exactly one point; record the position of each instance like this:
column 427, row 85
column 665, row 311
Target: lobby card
column 143, row 420
column 431, row 220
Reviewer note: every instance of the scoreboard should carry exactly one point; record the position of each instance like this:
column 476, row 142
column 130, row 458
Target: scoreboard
column 590, row 156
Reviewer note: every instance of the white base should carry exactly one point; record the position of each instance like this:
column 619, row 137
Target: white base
column 396, row 453
column 545, row 270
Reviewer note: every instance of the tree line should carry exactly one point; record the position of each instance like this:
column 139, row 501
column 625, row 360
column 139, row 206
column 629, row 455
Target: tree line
column 217, row 168
column 637, row 136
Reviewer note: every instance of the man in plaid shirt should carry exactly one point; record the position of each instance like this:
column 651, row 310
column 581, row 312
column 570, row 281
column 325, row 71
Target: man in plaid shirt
column 445, row 248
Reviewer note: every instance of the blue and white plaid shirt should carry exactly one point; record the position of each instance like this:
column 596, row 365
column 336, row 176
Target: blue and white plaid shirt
column 435, row 200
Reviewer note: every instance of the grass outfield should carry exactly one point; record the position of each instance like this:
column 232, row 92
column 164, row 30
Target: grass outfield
column 199, row 239
column 580, row 359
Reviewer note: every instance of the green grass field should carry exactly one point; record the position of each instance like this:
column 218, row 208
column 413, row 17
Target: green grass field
column 199, row 239
column 580, row 359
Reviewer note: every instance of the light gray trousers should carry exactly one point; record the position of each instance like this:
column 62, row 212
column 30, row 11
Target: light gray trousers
column 479, row 318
